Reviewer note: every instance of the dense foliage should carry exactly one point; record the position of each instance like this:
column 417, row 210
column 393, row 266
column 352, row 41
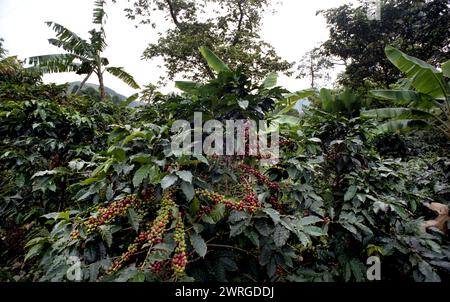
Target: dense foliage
column 420, row 28
column 95, row 187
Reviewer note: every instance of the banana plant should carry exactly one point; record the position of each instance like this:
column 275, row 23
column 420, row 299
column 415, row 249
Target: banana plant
column 82, row 56
column 426, row 105
column 345, row 102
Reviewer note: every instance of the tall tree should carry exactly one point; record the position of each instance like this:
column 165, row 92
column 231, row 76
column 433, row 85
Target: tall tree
column 229, row 27
column 83, row 57
column 315, row 66
column 418, row 27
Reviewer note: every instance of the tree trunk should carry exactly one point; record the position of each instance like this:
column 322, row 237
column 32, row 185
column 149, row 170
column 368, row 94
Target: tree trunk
column 312, row 71
column 82, row 83
column 101, row 86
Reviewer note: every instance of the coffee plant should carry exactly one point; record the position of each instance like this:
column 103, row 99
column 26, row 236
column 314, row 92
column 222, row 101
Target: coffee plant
column 100, row 183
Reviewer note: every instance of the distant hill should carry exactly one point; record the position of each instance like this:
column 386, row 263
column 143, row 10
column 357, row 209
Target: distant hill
column 116, row 97
column 108, row 90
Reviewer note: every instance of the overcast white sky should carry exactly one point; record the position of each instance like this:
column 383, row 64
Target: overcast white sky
column 293, row 30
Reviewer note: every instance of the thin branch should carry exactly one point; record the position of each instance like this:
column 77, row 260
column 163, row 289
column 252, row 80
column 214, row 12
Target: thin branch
column 173, row 13
column 239, row 27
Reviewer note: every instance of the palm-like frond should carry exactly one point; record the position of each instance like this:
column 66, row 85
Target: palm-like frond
column 123, row 75
column 55, row 63
column 99, row 12
column 68, row 40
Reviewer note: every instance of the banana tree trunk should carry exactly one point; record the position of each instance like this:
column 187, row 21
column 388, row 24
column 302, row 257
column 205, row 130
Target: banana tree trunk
column 102, row 86
column 83, row 82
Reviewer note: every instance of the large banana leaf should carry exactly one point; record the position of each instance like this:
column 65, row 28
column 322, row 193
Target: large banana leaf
column 213, row 61
column 187, row 86
column 327, row 100
column 68, row 40
column 425, row 78
column 123, row 75
column 55, row 63
column 347, row 101
column 403, row 125
column 397, row 113
column 408, row 98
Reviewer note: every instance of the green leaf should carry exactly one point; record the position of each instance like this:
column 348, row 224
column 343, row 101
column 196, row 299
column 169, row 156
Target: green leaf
column 117, row 152
column 428, row 272
column 273, row 214
column 236, row 216
column 106, row 234
column 309, row 220
column 140, row 175
column 281, row 235
column 398, row 125
column 358, row 270
column 121, row 74
column 313, row 231
column 168, row 181
column 408, row 98
column 34, row 250
column 446, row 69
column 213, row 61
column 133, row 219
column 199, row 244
column 270, row 80
column 54, row 63
column 185, row 175
column 147, row 171
column 218, row 212
column 253, row 236
column 238, row 228
column 425, row 78
column 400, row 113
column 187, row 86
column 188, row 190
column 351, row 192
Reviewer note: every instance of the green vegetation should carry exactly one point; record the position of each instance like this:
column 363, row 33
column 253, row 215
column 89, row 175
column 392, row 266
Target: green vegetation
column 90, row 184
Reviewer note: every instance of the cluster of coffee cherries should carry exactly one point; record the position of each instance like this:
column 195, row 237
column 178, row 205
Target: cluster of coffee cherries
column 106, row 215
column 273, row 200
column 204, row 210
column 153, row 235
column 117, row 264
column 216, row 198
column 252, row 203
column 280, row 272
column 262, row 179
column 75, row 234
column 179, row 260
column 156, row 267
